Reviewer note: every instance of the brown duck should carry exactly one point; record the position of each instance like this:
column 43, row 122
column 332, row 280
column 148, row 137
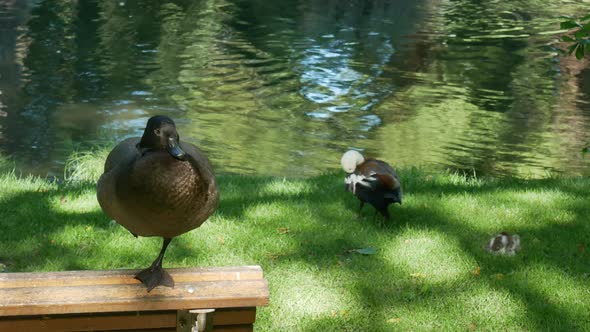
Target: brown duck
column 157, row 185
column 371, row 181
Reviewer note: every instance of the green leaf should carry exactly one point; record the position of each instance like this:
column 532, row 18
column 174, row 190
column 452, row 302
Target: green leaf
column 580, row 52
column 571, row 48
column 566, row 38
column 587, row 17
column 365, row 251
column 580, row 34
column 569, row 25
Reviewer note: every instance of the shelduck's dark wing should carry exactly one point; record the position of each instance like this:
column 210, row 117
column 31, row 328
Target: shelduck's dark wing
column 384, row 175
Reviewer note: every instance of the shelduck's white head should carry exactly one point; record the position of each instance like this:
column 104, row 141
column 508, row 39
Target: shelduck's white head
column 350, row 160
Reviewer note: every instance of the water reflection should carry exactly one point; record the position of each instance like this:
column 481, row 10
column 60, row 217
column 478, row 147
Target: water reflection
column 284, row 87
column 329, row 80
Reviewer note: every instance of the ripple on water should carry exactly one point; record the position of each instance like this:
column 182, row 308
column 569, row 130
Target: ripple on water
column 456, row 84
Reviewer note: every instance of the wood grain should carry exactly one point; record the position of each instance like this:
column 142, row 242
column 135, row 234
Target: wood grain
column 117, row 277
column 117, row 291
column 136, row 321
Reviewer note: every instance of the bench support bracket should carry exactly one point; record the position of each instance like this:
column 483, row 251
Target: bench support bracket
column 197, row 320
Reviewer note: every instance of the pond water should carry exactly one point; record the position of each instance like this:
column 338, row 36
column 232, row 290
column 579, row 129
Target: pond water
column 285, row 87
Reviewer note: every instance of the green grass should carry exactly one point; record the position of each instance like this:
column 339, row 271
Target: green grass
column 429, row 271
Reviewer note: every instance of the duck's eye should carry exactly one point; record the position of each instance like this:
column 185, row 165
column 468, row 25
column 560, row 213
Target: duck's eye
column 158, row 132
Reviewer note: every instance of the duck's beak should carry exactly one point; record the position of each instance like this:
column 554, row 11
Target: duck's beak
column 175, row 150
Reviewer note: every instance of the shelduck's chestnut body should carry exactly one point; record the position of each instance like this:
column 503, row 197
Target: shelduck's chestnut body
column 371, row 181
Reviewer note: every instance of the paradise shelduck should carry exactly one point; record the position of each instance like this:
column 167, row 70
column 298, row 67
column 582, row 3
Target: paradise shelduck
column 371, row 181
column 157, row 185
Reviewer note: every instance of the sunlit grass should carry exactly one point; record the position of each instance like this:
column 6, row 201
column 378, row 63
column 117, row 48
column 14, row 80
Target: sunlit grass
column 86, row 165
column 429, row 271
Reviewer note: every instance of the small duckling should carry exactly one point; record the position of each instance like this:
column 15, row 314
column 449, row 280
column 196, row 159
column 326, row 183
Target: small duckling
column 504, row 243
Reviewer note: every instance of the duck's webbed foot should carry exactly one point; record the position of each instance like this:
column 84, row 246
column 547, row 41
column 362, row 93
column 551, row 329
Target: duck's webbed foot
column 155, row 276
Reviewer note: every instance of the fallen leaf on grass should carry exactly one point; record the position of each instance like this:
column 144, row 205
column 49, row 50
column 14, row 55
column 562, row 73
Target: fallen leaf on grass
column 273, row 257
column 395, row 320
column 581, row 248
column 472, row 327
column 283, row 230
column 364, row 251
column 418, row 275
column 477, row 271
column 407, row 241
column 341, row 314
column 221, row 239
column 498, row 276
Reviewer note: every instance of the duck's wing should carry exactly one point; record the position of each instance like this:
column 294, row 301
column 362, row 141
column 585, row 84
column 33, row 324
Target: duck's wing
column 204, row 170
column 380, row 175
column 122, row 154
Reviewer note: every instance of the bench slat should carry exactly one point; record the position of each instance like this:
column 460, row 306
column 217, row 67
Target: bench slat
column 116, row 298
column 113, row 277
column 91, row 322
column 87, row 291
column 235, row 316
column 223, row 319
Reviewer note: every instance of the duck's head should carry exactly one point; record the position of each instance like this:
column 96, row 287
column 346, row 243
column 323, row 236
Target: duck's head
column 160, row 134
column 350, row 160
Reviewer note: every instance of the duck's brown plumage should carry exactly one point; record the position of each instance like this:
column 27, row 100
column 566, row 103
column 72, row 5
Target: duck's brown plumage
column 157, row 186
column 155, row 194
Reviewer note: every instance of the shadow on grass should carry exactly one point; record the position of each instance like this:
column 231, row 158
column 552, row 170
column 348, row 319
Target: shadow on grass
column 32, row 224
column 60, row 227
column 44, row 233
column 556, row 245
column 30, row 221
column 547, row 242
column 323, row 228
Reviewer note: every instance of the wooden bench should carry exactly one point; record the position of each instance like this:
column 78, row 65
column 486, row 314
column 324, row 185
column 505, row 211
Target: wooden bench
column 221, row 299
